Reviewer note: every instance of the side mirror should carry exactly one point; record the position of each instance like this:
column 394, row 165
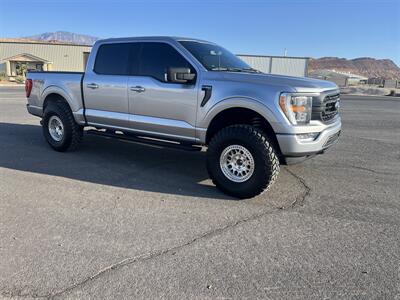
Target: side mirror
column 180, row 75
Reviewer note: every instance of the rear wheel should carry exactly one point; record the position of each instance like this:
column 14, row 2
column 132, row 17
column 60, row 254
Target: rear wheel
column 60, row 130
column 241, row 161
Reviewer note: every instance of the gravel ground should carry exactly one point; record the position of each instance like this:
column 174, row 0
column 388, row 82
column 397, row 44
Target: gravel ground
column 121, row 220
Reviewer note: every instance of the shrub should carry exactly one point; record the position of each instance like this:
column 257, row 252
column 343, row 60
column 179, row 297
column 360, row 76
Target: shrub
column 19, row 79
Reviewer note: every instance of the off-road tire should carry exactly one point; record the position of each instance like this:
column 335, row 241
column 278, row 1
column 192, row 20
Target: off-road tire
column 73, row 132
column 266, row 162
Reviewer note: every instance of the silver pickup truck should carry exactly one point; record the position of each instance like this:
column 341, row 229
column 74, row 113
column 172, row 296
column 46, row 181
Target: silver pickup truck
column 189, row 94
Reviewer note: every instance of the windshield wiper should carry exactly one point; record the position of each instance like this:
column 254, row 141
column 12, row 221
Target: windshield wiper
column 219, row 69
column 250, row 70
column 227, row 69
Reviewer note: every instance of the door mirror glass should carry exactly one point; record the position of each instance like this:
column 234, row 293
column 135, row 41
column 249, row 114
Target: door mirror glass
column 180, row 75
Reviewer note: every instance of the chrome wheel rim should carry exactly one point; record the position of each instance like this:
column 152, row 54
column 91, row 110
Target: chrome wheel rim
column 237, row 163
column 56, row 128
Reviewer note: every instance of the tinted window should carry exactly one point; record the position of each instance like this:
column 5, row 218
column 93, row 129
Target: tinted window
column 134, row 52
column 112, row 59
column 214, row 57
column 156, row 58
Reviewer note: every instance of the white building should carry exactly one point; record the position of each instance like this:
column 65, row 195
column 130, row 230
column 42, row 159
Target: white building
column 341, row 78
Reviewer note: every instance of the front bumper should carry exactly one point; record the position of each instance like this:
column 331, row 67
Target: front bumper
column 292, row 146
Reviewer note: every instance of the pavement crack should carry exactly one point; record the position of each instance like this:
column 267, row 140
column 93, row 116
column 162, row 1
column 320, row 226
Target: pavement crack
column 208, row 234
column 300, row 200
column 371, row 170
column 154, row 254
column 373, row 140
column 341, row 166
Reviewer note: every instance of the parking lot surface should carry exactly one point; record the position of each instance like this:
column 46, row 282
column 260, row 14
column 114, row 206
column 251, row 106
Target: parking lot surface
column 123, row 220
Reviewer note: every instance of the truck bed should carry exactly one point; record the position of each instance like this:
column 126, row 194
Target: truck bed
column 66, row 84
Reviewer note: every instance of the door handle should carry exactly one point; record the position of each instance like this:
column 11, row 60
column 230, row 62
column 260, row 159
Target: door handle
column 92, row 86
column 138, row 89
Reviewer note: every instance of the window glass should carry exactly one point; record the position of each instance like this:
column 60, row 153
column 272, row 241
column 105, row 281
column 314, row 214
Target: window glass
column 156, row 58
column 214, row 57
column 112, row 59
column 134, row 52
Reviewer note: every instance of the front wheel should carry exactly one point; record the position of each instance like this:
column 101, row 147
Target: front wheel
column 241, row 161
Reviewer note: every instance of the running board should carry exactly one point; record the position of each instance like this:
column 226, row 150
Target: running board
column 144, row 140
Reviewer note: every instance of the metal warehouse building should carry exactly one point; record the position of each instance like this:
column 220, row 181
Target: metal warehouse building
column 283, row 65
column 19, row 55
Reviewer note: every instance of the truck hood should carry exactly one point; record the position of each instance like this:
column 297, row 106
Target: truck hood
column 286, row 83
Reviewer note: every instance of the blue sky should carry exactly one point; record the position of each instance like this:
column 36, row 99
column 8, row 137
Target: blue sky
column 352, row 28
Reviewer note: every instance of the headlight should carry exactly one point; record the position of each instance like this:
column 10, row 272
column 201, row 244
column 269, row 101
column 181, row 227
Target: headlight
column 297, row 107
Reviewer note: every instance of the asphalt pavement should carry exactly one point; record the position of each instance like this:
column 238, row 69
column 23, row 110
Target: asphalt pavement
column 127, row 221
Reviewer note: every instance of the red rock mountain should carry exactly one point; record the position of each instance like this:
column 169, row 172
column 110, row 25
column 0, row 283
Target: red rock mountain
column 364, row 66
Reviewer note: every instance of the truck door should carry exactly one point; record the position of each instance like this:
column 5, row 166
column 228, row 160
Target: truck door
column 105, row 87
column 159, row 107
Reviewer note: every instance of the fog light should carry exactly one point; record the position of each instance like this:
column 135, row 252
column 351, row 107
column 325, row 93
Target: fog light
column 307, row 137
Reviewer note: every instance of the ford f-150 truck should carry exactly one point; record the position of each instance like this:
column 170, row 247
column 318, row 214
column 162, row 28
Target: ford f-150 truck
column 189, row 94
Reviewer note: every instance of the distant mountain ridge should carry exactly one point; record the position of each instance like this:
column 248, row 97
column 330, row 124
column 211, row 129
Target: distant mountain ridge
column 364, row 66
column 64, row 36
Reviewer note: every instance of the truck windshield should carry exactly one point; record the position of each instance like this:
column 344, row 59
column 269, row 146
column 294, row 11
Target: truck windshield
column 216, row 58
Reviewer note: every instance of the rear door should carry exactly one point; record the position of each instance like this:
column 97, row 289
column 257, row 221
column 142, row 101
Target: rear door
column 105, row 87
column 159, row 107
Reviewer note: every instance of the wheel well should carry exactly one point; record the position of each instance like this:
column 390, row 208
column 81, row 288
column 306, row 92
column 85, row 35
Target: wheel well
column 239, row 115
column 53, row 98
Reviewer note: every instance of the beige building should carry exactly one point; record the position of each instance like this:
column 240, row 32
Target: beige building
column 19, row 55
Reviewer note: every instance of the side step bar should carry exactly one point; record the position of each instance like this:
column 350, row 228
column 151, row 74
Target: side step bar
column 144, row 140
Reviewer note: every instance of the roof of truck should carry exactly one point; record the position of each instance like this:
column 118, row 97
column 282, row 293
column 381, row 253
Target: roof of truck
column 167, row 38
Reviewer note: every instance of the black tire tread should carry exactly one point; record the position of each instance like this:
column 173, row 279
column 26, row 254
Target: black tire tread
column 76, row 130
column 261, row 141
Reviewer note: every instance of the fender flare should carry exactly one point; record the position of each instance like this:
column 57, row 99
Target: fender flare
column 240, row 102
column 52, row 89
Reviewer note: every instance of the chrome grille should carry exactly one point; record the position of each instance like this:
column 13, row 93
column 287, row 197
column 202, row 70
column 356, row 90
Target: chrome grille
column 332, row 97
column 326, row 108
column 330, row 107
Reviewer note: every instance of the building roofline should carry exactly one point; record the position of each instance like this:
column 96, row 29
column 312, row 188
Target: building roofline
column 274, row 56
column 34, row 57
column 22, row 41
